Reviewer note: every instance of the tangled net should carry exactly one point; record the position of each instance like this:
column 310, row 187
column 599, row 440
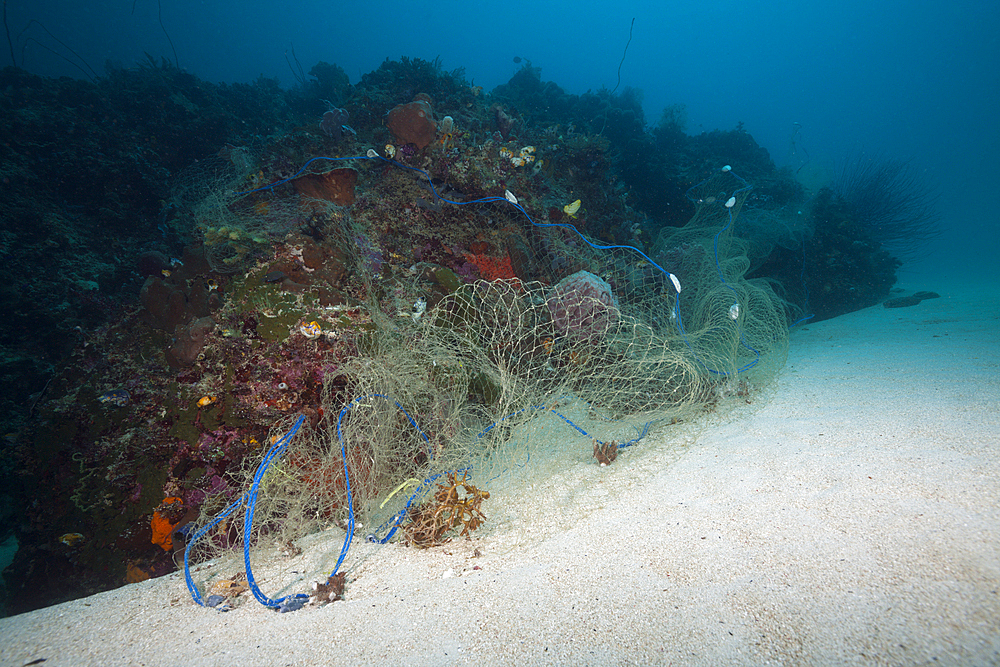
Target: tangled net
column 462, row 395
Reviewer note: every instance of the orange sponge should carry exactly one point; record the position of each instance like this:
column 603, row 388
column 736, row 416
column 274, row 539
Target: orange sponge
column 133, row 573
column 163, row 526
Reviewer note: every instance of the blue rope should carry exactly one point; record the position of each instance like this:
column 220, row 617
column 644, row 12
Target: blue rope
column 275, row 452
column 250, row 498
column 201, row 532
column 347, row 479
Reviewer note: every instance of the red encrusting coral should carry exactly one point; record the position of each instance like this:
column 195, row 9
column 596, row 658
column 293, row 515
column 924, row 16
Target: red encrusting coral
column 492, row 268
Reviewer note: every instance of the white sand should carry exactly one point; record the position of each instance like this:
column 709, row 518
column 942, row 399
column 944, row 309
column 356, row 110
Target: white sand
column 850, row 515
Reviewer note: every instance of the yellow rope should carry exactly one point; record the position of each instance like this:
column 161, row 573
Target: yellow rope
column 398, row 489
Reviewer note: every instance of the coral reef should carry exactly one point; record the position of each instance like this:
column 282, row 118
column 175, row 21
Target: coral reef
column 605, row 452
column 840, row 268
column 492, row 268
column 165, row 519
column 331, row 591
column 173, row 297
column 891, row 201
column 331, row 82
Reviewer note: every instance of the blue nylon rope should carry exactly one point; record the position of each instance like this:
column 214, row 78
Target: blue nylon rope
column 347, row 479
column 275, row 452
column 250, row 498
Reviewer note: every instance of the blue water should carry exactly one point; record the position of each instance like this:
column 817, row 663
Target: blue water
column 915, row 80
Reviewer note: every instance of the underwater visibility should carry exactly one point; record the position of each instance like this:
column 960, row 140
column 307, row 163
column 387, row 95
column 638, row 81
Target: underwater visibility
column 241, row 313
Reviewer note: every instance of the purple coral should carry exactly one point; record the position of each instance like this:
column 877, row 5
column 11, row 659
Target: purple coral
column 583, row 307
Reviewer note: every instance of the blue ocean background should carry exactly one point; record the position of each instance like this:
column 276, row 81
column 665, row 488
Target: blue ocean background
column 914, row 81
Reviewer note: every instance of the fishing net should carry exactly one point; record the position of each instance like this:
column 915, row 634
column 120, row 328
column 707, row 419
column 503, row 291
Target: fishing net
column 236, row 225
column 447, row 409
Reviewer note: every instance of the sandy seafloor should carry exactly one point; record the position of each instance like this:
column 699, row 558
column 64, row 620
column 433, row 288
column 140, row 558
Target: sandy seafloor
column 849, row 515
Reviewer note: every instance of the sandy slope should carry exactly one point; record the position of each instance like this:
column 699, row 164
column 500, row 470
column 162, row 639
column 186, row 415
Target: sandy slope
column 851, row 514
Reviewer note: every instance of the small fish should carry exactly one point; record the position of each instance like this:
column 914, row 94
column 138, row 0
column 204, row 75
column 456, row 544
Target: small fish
column 311, row 330
column 119, row 397
column 71, row 539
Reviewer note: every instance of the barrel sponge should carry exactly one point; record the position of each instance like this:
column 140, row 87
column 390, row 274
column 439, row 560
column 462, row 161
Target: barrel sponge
column 413, row 123
column 583, row 307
